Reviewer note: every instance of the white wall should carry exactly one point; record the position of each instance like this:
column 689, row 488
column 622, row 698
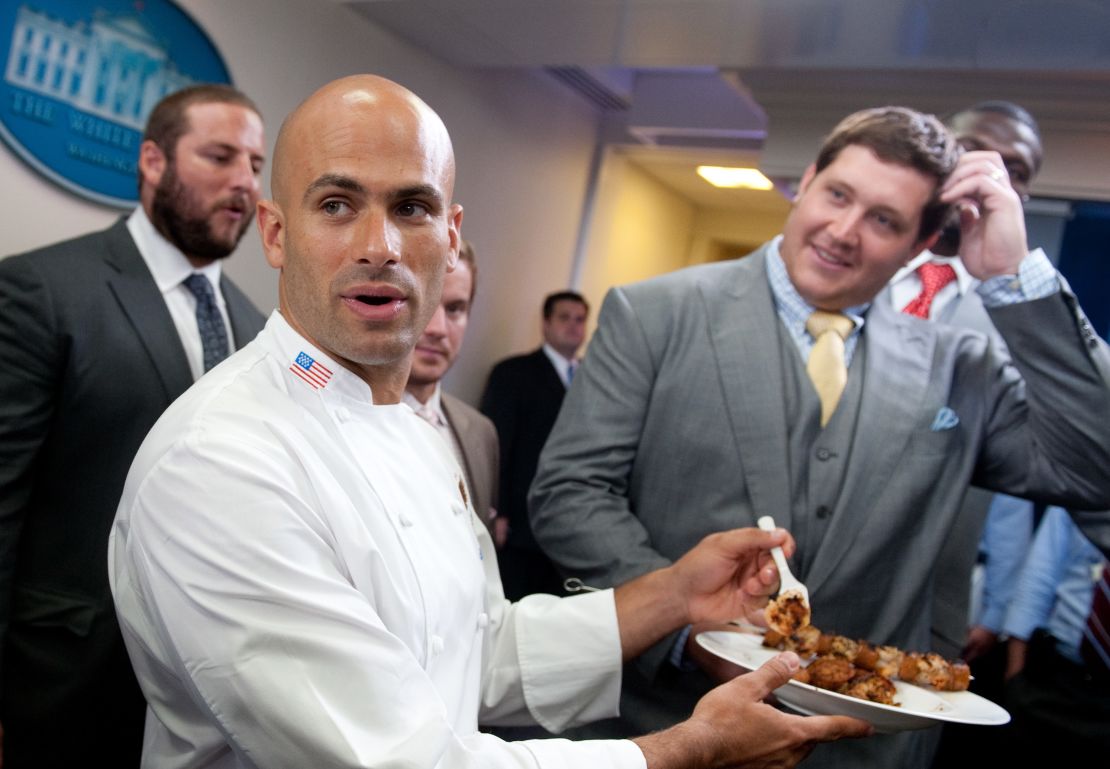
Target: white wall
column 523, row 145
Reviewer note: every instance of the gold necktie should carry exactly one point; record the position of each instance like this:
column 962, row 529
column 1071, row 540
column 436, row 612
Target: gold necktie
column 826, row 360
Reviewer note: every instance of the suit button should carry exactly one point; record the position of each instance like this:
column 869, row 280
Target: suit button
column 823, row 512
column 824, row 454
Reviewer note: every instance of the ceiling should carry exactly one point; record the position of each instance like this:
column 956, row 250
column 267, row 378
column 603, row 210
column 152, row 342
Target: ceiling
column 682, row 82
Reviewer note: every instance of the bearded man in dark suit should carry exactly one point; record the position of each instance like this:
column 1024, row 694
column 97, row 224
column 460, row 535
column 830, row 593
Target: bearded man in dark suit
column 101, row 334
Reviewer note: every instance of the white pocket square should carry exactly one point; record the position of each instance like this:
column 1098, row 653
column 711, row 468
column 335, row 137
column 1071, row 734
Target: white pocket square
column 945, row 419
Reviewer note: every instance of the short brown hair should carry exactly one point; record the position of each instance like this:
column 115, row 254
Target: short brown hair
column 466, row 256
column 168, row 122
column 551, row 300
column 904, row 136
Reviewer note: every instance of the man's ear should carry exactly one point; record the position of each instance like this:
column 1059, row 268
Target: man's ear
column 271, row 226
column 454, row 234
column 152, row 163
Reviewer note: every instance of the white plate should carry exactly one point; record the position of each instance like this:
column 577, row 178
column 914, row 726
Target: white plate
column 918, row 708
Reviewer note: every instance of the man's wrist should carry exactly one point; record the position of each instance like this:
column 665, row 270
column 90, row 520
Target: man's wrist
column 1035, row 278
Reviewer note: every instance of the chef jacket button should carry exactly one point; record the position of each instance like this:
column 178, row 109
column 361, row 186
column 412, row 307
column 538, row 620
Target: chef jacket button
column 823, row 511
column 404, row 519
column 483, row 620
column 437, row 644
column 342, row 414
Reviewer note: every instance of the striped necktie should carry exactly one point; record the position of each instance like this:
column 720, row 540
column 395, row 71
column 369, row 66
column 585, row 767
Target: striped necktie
column 1095, row 646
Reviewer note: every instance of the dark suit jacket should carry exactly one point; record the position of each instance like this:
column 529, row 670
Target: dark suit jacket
column 92, row 358
column 522, row 398
column 477, row 438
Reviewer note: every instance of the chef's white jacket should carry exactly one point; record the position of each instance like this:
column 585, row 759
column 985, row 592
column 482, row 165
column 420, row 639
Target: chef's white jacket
column 301, row 582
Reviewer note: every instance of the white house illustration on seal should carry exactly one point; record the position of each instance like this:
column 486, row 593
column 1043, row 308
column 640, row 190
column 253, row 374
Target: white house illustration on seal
column 109, row 67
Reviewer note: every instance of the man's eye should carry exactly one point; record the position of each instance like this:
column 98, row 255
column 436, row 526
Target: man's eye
column 334, row 207
column 886, row 222
column 412, row 209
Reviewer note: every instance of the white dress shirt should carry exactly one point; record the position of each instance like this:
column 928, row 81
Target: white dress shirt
column 906, row 284
column 561, row 364
column 432, row 412
column 170, row 268
column 300, row 582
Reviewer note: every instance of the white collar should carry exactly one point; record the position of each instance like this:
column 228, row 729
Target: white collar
column 435, row 402
column 561, row 364
column 964, row 280
column 167, row 264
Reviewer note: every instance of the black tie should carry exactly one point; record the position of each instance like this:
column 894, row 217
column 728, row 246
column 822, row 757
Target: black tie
column 213, row 335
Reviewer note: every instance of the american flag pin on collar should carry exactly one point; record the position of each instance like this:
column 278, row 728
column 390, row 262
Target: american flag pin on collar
column 314, row 373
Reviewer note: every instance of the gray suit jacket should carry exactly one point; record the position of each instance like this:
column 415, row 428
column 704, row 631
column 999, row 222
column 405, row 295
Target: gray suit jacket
column 961, row 548
column 477, row 438
column 97, row 360
column 676, row 427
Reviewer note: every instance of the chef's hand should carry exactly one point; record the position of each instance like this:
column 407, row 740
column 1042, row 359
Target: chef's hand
column 731, row 574
column 992, row 222
column 727, row 575
column 732, row 727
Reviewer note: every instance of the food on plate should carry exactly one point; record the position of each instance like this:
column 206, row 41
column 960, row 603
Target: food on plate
column 830, row 672
column 934, row 670
column 838, row 646
column 884, row 660
column 872, row 687
column 861, row 669
column 804, row 641
column 788, row 612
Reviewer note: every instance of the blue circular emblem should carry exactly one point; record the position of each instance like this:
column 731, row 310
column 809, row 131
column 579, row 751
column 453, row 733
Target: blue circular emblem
column 80, row 79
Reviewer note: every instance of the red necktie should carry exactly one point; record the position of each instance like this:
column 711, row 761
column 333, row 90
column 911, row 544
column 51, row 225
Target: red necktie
column 934, row 277
column 1095, row 646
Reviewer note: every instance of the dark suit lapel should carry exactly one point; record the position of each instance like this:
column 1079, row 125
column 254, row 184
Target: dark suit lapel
column 142, row 304
column 898, row 364
column 743, row 333
column 549, row 377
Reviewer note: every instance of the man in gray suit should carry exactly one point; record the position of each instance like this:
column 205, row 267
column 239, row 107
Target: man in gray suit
column 100, row 334
column 693, row 411
column 471, row 436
